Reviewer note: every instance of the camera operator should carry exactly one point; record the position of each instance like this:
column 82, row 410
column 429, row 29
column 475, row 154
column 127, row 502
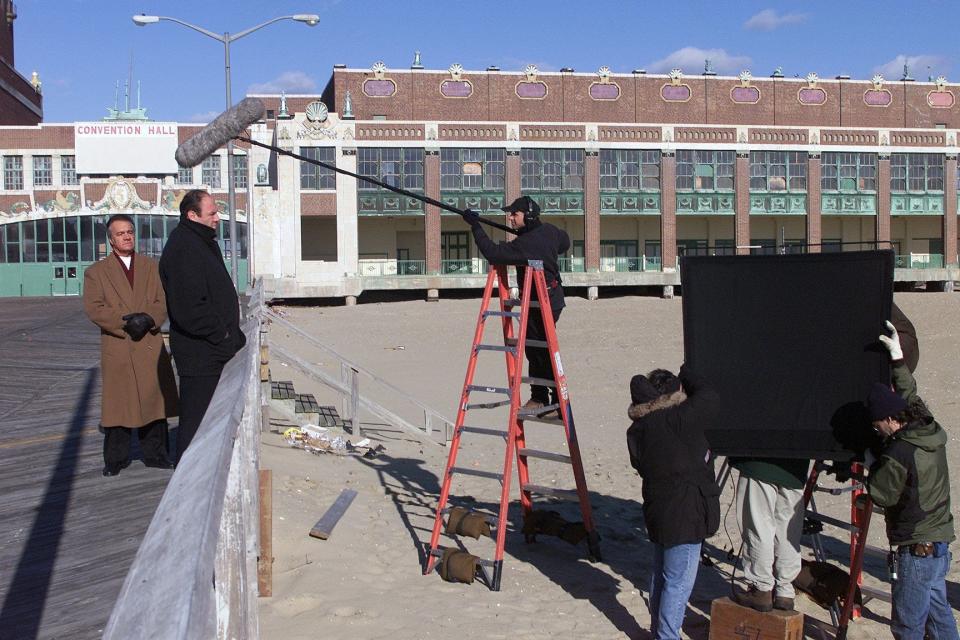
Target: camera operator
column 911, row 481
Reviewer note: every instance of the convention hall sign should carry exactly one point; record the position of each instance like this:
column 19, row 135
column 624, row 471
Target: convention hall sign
column 125, row 148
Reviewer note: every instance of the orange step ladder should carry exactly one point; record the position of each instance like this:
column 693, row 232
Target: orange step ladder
column 514, row 342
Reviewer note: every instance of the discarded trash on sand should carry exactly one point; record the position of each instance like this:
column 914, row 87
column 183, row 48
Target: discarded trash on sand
column 317, row 440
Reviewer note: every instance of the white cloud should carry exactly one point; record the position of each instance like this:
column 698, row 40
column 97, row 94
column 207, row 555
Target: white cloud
column 206, row 116
column 917, row 65
column 691, row 61
column 288, row 81
column 769, row 19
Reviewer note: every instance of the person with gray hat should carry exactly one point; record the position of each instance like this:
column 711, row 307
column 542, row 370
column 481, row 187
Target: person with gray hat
column 536, row 240
column 911, row 481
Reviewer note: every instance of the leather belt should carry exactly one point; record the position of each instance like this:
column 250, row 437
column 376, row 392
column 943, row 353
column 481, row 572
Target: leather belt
column 919, row 550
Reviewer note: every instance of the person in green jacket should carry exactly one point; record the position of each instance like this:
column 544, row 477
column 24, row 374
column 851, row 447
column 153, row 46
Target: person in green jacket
column 910, row 479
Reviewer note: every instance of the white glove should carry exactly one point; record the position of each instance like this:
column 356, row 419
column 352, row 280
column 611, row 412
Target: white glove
column 892, row 343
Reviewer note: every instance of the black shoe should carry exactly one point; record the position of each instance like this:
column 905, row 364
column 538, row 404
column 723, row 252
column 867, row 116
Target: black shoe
column 783, row 603
column 112, row 470
column 158, row 463
column 755, row 599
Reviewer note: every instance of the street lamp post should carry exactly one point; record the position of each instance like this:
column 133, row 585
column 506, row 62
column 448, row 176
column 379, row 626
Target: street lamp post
column 308, row 19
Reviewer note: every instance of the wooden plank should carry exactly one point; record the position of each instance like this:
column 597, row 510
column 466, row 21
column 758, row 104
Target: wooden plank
column 325, row 525
column 265, row 559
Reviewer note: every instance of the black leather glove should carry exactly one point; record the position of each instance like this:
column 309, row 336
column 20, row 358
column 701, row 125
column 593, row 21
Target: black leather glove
column 137, row 325
column 471, row 217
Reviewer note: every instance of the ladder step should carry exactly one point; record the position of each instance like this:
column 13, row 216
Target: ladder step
column 516, row 302
column 825, row 519
column 477, row 472
column 512, row 342
column 478, row 387
column 498, row 347
column 569, row 494
column 544, row 455
column 484, row 431
column 543, row 382
column 487, row 405
column 502, row 314
column 870, row 593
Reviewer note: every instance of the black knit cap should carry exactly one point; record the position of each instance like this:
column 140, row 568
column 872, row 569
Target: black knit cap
column 883, row 402
column 642, row 390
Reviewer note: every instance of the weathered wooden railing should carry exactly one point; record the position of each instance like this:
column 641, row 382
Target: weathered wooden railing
column 195, row 573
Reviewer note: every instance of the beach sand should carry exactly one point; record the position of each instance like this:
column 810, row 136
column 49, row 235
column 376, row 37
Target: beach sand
column 366, row 581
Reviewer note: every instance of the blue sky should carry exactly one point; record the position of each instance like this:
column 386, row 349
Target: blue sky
column 82, row 47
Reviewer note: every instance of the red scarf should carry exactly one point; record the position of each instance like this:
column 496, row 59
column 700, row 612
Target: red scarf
column 127, row 272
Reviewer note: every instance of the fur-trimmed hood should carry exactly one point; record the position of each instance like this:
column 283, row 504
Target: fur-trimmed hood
column 640, row 409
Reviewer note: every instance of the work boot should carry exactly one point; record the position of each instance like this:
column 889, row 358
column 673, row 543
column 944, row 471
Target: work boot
column 754, row 598
column 532, row 404
column 783, row 603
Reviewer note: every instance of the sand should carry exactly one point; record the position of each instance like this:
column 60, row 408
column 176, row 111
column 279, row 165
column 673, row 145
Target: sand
column 365, row 581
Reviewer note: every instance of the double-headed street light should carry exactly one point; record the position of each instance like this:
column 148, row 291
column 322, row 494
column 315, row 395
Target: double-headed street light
column 308, row 19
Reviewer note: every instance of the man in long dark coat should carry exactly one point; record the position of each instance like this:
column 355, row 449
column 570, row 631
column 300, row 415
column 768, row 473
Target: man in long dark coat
column 123, row 296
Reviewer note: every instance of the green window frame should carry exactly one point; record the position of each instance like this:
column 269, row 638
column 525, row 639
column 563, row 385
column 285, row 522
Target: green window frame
column 705, row 170
column 630, row 170
column 916, row 172
column 848, row 172
column 471, row 169
column 544, row 170
column 314, row 177
column 397, row 166
column 781, row 171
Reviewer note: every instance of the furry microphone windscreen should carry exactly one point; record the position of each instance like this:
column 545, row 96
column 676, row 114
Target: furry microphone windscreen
column 228, row 125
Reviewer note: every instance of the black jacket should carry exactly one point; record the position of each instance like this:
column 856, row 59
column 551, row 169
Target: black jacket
column 535, row 241
column 681, row 499
column 201, row 300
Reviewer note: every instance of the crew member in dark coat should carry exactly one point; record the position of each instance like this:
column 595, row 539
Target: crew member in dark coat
column 536, row 240
column 203, row 307
column 681, row 499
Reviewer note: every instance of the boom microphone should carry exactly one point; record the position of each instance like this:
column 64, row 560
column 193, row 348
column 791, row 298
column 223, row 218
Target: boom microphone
column 232, row 124
column 227, row 126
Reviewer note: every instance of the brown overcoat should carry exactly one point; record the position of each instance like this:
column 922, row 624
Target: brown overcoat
column 138, row 382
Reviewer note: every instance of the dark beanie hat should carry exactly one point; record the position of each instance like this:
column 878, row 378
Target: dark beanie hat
column 883, row 402
column 642, row 390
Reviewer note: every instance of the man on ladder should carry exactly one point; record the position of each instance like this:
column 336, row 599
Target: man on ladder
column 536, row 240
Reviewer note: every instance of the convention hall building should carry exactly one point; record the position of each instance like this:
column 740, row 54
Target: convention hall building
column 640, row 169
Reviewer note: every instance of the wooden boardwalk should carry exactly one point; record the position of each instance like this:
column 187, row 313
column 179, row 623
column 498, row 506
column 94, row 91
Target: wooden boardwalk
column 67, row 534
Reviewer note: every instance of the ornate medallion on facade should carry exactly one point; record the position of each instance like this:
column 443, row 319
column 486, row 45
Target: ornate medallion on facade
column 941, row 98
column 877, row 96
column 675, row 90
column 316, row 123
column 604, row 89
column 120, row 195
column 745, row 93
column 531, row 88
column 812, row 95
column 379, row 86
column 456, row 86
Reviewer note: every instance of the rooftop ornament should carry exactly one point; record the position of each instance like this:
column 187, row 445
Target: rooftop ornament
column 416, row 61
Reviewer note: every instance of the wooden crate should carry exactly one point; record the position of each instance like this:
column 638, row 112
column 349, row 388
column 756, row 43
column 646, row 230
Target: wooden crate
column 730, row 621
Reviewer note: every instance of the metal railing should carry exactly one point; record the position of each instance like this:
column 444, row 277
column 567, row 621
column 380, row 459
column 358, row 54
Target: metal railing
column 195, row 572
column 919, row 261
column 463, row 267
column 385, row 267
column 571, row 265
column 347, row 384
column 630, row 263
